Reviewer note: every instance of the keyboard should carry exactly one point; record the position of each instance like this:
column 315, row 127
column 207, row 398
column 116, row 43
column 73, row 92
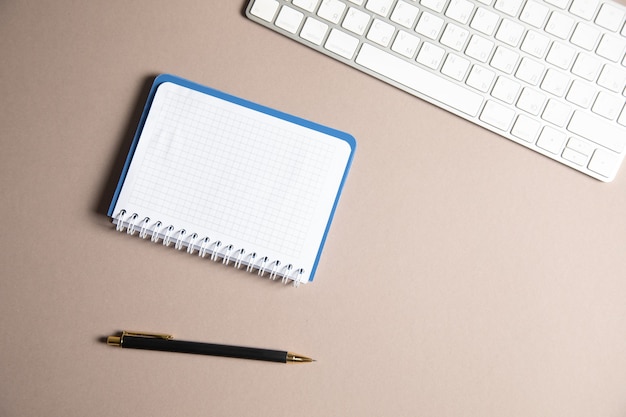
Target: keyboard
column 549, row 75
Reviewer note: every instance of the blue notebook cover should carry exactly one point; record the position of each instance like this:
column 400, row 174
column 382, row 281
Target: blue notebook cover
column 232, row 180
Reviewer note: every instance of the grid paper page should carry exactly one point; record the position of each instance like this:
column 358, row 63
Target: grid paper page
column 236, row 175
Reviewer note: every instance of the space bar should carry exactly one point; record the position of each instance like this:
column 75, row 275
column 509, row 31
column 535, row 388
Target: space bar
column 420, row 80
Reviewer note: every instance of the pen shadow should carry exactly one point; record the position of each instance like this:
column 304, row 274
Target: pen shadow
column 109, row 184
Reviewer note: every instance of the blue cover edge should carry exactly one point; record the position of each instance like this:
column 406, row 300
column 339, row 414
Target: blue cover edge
column 162, row 78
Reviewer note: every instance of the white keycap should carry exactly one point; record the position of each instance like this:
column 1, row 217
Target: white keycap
column 604, row 163
column 610, row 17
column 581, row 146
column 584, row 8
column 455, row 67
column 380, row 32
column 607, row 105
column 613, row 78
column 405, row 44
column 585, row 36
column 341, row 43
column 526, row 128
column 560, row 25
column 504, row 59
column 556, row 113
column 460, row 10
column 586, row 66
column 420, row 80
column 555, row 82
column 289, row 19
column 531, row 101
column 480, row 78
column 429, row 25
column 436, row 5
column 314, row 31
column 485, row 21
column 404, row 14
column 430, row 55
column 573, row 156
column 505, row 89
column 380, row 7
column 331, row 10
column 510, row 7
column 581, row 93
column 534, row 13
column 497, row 115
column 535, row 43
column 356, row 21
column 551, row 140
column 479, row 48
column 530, row 71
column 454, row 37
column 308, row 5
column 510, row 32
column 264, row 9
column 561, row 55
column 597, row 130
column 611, row 47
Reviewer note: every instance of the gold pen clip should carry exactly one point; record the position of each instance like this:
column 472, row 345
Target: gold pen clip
column 119, row 340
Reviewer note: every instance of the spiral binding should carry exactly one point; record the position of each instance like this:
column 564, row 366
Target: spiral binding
column 205, row 246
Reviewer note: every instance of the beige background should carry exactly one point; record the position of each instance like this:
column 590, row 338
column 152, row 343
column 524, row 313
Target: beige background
column 463, row 276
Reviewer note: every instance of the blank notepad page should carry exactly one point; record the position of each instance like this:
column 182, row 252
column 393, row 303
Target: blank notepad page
column 241, row 177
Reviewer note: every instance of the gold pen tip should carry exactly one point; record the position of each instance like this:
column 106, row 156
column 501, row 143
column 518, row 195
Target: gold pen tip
column 295, row 358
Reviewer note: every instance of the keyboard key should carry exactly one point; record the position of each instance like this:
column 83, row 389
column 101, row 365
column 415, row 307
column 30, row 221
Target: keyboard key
column 561, row 55
column 455, row 67
column 454, row 37
column 581, row 146
column 289, row 19
column 535, row 43
column 611, row 47
column 314, row 31
column 405, row 44
column 485, row 21
column 480, row 78
column 264, row 9
column 510, row 7
column 497, row 115
column 581, row 93
column 556, row 113
column 534, row 13
column 531, row 101
column 585, row 36
column 479, row 48
column 586, row 66
column 435, row 5
column 380, row 7
column 331, row 10
column 530, row 71
column 597, row 131
column 560, row 25
column 404, row 14
column 420, row 80
column 573, row 156
column 526, row 128
column 613, row 78
column 308, row 5
column 381, row 32
column 604, row 163
column 356, row 21
column 341, row 43
column 430, row 55
column 551, row 140
column 610, row 17
column 607, row 105
column 584, row 8
column 460, row 10
column 510, row 32
column 429, row 25
column 504, row 59
column 555, row 82
column 505, row 89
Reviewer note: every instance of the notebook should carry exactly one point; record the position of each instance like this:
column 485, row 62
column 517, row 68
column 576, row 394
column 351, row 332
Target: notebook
column 232, row 181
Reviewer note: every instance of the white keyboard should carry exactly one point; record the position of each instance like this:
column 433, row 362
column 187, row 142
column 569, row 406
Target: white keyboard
column 549, row 75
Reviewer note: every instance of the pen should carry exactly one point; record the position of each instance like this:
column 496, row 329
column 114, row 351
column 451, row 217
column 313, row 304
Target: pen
column 166, row 343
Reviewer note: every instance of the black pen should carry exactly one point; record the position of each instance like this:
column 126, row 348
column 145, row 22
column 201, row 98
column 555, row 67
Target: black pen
column 166, row 343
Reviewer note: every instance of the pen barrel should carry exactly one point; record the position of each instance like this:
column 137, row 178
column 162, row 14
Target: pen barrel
column 198, row 348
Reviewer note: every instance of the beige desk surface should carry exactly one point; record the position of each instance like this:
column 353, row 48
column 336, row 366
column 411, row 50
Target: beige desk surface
column 463, row 276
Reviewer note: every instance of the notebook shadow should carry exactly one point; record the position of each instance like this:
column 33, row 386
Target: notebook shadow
column 109, row 184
